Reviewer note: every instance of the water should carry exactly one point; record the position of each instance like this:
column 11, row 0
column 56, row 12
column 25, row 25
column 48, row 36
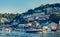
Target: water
column 24, row 34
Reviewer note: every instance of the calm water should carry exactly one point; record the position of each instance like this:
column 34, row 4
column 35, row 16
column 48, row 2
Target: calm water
column 23, row 34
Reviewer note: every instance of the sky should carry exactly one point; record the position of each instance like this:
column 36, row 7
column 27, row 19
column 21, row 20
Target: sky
column 20, row 6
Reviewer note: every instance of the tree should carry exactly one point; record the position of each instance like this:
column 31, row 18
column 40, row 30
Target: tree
column 55, row 18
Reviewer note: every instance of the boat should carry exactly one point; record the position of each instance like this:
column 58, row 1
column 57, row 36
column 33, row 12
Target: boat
column 33, row 30
column 54, row 29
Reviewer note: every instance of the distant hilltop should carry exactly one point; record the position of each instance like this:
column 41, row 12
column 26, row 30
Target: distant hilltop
column 43, row 8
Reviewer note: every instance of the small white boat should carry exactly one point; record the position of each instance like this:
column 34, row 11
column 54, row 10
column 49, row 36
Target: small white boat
column 54, row 29
column 5, row 30
column 33, row 30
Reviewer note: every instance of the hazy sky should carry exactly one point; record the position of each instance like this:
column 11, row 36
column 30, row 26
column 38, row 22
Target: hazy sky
column 19, row 6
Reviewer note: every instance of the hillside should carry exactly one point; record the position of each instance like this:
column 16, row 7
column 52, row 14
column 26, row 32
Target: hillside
column 43, row 11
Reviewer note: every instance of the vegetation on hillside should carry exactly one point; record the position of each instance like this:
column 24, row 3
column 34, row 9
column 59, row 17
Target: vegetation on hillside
column 8, row 16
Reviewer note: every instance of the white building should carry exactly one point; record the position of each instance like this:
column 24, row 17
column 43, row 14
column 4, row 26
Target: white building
column 53, row 25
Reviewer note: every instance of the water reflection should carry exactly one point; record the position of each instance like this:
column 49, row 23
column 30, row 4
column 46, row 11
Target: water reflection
column 23, row 34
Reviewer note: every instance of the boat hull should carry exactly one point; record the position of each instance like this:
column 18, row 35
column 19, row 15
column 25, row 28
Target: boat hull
column 33, row 31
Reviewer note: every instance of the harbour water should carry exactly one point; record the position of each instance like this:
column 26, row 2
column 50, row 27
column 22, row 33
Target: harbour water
column 18, row 33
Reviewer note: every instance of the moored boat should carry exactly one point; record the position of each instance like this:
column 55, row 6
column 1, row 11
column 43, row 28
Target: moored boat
column 33, row 30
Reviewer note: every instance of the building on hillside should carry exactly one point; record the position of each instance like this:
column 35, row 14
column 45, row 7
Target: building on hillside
column 53, row 26
column 4, row 20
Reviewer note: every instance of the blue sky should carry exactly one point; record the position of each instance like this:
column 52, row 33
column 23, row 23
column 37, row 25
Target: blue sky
column 20, row 6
